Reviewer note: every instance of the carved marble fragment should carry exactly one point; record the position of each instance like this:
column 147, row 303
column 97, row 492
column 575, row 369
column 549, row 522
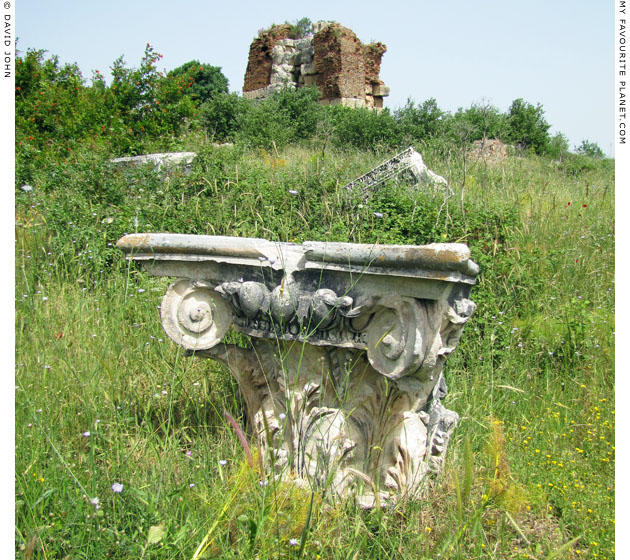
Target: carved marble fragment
column 159, row 161
column 343, row 379
column 406, row 167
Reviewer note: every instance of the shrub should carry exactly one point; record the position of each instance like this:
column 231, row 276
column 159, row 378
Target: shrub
column 301, row 28
column 300, row 108
column 200, row 81
column 50, row 100
column 143, row 104
column 363, row 128
column 590, row 149
column 558, row 146
column 222, row 115
column 482, row 121
column 577, row 164
column 286, row 116
column 262, row 125
column 56, row 111
column 527, row 126
column 420, row 122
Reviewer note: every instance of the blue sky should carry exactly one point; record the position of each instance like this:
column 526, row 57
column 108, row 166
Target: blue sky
column 558, row 53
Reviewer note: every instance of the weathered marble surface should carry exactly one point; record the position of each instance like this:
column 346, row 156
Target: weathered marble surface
column 407, row 166
column 164, row 161
column 159, row 161
column 343, row 378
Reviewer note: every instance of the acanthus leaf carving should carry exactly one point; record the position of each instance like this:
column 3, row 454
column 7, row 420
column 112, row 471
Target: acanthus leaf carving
column 343, row 382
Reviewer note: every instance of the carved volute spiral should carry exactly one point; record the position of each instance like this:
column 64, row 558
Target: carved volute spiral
column 194, row 315
column 396, row 342
column 342, row 375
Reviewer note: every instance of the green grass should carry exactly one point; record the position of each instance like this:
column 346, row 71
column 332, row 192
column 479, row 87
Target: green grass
column 530, row 469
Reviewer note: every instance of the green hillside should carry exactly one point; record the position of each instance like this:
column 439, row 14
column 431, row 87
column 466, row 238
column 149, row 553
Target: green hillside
column 103, row 398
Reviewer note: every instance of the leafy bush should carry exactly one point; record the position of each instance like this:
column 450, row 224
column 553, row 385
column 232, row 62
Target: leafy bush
column 286, row 116
column 558, row 146
column 363, row 128
column 420, row 122
column 144, row 104
column 590, row 149
column 50, row 99
column 301, row 28
column 56, row 111
column 578, row 164
column 222, row 115
column 300, row 108
column 262, row 125
column 527, row 126
column 200, row 81
column 482, row 120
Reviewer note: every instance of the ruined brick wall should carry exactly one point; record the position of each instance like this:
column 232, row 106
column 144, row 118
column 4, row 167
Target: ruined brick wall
column 374, row 86
column 344, row 70
column 373, row 54
column 339, row 63
column 260, row 57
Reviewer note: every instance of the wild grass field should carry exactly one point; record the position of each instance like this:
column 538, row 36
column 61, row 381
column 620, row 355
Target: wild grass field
column 122, row 447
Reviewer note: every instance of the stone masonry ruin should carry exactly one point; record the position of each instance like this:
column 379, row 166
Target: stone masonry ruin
column 333, row 59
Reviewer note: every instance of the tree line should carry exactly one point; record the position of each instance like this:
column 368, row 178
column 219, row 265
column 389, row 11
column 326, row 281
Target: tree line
column 142, row 109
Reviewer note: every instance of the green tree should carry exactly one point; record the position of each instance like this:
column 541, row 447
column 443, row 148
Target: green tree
column 300, row 109
column 301, row 28
column 484, row 121
column 288, row 115
column 143, row 104
column 420, row 122
column 558, row 146
column 200, row 81
column 527, row 126
column 55, row 112
column 50, row 100
column 222, row 116
column 363, row 128
column 590, row 149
